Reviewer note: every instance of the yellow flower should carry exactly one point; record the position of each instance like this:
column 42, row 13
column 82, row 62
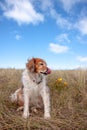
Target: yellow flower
column 59, row 79
column 65, row 83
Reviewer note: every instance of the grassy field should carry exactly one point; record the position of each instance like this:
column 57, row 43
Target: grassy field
column 68, row 102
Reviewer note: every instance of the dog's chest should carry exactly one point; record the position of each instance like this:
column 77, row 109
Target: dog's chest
column 34, row 96
column 34, row 91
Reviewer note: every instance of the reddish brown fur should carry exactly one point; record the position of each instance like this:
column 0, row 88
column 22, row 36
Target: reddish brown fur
column 34, row 64
column 20, row 101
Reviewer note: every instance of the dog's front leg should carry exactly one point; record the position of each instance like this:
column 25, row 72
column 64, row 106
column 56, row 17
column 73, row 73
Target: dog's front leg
column 26, row 103
column 46, row 101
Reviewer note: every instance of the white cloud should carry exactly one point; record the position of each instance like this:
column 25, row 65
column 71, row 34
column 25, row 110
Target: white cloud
column 82, row 39
column 56, row 48
column 61, row 21
column 22, row 11
column 68, row 4
column 82, row 26
column 82, row 59
column 45, row 4
column 63, row 38
column 17, row 37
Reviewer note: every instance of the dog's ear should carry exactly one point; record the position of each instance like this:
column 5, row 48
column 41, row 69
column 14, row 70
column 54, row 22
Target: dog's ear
column 31, row 65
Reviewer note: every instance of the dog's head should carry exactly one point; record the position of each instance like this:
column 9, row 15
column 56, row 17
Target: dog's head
column 38, row 65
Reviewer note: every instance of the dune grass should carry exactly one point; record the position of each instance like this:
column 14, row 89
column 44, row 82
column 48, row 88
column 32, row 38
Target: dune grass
column 68, row 102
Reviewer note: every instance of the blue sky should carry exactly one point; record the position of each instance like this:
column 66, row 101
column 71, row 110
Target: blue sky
column 55, row 30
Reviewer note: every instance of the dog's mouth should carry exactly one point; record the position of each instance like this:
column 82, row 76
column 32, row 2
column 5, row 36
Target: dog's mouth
column 48, row 71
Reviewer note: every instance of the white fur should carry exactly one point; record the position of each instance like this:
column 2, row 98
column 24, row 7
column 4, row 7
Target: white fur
column 32, row 90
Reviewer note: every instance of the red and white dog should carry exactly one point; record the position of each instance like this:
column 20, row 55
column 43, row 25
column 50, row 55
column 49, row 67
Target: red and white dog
column 34, row 92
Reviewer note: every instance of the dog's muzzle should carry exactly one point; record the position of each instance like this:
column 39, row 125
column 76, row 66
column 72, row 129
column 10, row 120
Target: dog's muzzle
column 48, row 71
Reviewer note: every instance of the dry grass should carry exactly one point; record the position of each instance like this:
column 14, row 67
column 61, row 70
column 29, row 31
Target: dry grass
column 68, row 102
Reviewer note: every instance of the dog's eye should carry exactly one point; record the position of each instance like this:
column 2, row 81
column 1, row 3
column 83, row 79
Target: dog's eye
column 41, row 63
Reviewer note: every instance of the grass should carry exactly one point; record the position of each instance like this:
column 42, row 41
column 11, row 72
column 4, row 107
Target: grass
column 68, row 102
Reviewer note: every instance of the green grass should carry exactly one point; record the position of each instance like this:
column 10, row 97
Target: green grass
column 68, row 102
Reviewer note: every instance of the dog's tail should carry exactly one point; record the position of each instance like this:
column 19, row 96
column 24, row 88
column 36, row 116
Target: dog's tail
column 14, row 96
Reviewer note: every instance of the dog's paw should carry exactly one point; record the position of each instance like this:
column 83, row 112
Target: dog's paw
column 20, row 109
column 25, row 115
column 47, row 116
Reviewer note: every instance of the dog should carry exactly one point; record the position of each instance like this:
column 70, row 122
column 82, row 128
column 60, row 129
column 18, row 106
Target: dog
column 34, row 91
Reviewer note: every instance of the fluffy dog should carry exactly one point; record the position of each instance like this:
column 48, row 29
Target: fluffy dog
column 34, row 91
